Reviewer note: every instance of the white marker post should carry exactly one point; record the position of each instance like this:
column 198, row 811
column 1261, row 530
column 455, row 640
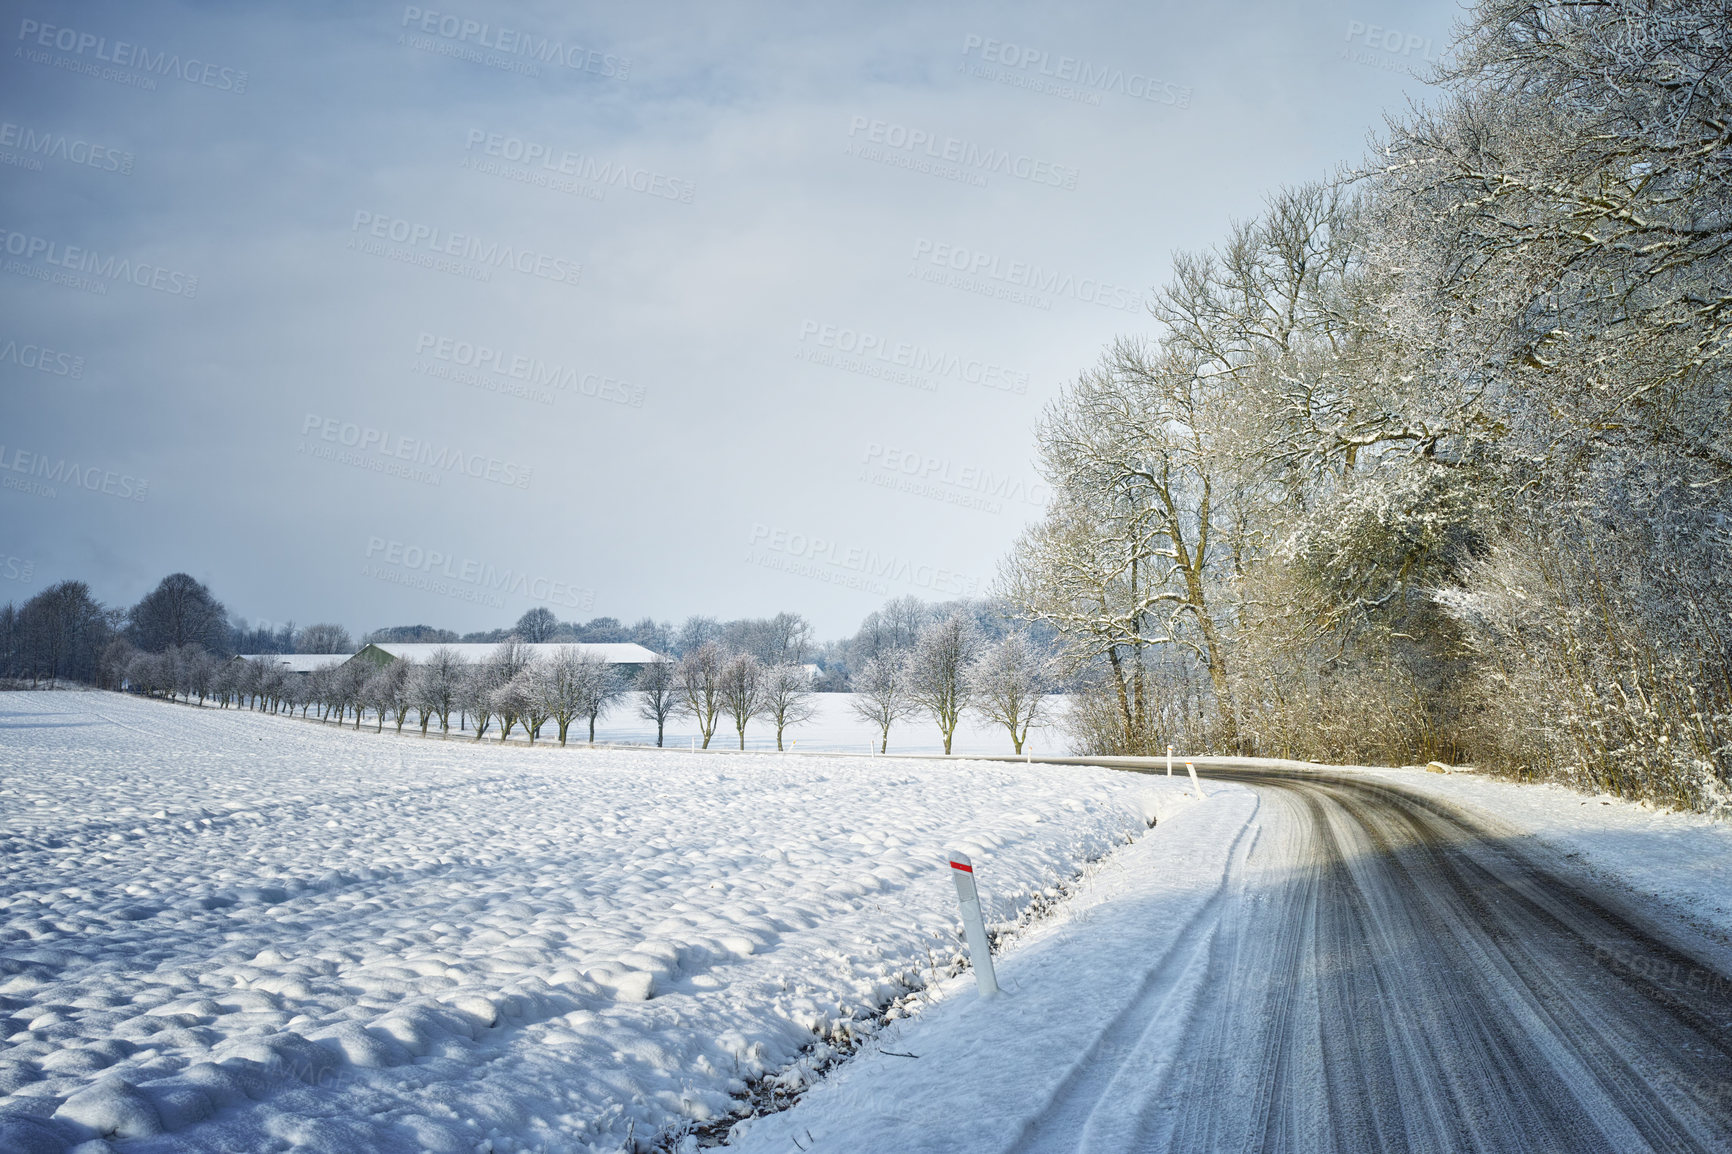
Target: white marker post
column 979, row 949
column 1195, row 784
column 1169, row 761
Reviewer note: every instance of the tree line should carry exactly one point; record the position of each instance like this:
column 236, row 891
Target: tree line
column 948, row 668
column 908, row 657
column 1433, row 460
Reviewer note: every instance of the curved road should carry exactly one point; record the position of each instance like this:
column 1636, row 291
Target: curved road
column 1389, row 974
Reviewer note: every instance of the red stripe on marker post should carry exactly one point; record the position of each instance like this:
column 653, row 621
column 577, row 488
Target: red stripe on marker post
column 956, row 865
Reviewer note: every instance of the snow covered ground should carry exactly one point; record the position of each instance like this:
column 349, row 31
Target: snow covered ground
column 224, row 931
column 1091, row 1035
column 1102, row 987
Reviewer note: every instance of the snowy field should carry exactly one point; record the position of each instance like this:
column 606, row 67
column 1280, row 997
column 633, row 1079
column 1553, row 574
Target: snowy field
column 224, row 931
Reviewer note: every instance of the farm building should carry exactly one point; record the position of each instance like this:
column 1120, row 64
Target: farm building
column 297, row 663
column 626, row 657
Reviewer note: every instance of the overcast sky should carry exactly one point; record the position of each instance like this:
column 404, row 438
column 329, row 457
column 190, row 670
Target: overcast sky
column 388, row 314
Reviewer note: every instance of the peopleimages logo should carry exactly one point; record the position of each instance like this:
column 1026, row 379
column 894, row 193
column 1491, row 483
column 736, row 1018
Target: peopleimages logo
column 1390, row 40
column 41, row 358
column 1021, row 281
column 917, row 359
column 418, row 567
column 512, row 42
column 88, row 45
column 1075, row 71
column 554, row 161
column 967, row 156
column 808, row 555
column 33, row 145
column 925, row 471
column 92, row 478
column 452, row 356
column 41, row 255
column 429, row 243
column 381, row 450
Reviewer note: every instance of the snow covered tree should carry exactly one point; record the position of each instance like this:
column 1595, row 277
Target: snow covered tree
column 602, row 689
column 787, row 697
column 509, row 701
column 437, row 685
column 881, row 694
column 699, row 678
column 1008, row 683
column 1138, row 535
column 658, row 694
column 346, row 688
column 562, row 688
column 508, row 662
column 936, row 671
column 147, row 673
column 390, row 691
column 475, row 694
column 740, row 689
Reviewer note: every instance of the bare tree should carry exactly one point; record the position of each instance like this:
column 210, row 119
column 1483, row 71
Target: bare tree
column 562, row 689
column 699, row 677
column 695, row 632
column 437, row 685
column 325, row 637
column 515, row 700
column 536, row 626
column 346, row 688
column 601, row 689
column 390, row 691
column 116, row 655
column 1009, row 683
column 199, row 671
column 475, row 694
column 508, row 661
column 659, row 694
column 147, row 673
column 937, row 668
column 1134, row 546
column 273, row 687
column 787, row 697
column 62, row 632
column 179, row 611
column 742, row 691
column 881, row 695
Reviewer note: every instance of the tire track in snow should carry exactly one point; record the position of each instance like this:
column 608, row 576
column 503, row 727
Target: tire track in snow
column 1086, row 1102
column 1461, row 1000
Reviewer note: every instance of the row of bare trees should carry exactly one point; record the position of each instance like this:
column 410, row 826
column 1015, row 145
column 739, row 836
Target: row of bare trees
column 709, row 684
column 1434, row 460
column 510, row 690
column 948, row 669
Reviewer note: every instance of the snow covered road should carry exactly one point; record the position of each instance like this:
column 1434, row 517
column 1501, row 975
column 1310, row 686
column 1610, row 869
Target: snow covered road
column 228, row 932
column 1314, row 961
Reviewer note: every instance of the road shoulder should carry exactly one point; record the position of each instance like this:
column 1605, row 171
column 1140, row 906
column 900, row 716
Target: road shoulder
column 1107, row 974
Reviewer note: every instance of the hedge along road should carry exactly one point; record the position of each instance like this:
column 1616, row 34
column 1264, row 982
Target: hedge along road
column 1391, row 974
